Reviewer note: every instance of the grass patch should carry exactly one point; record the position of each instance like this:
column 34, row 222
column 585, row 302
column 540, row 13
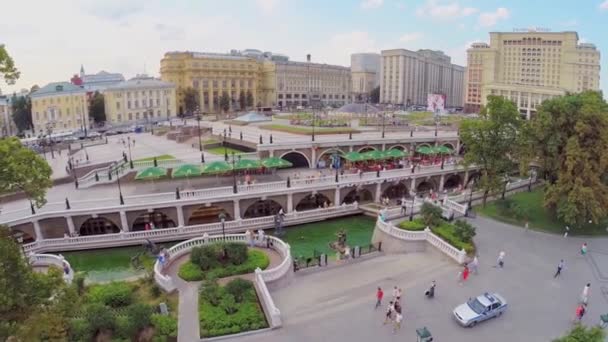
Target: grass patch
column 191, row 272
column 161, row 157
column 308, row 130
column 538, row 217
column 415, row 225
column 305, row 239
column 221, row 150
column 444, row 230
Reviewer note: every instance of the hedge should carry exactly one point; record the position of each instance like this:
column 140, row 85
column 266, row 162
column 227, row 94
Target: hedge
column 444, row 230
column 190, row 272
column 416, row 225
column 114, row 294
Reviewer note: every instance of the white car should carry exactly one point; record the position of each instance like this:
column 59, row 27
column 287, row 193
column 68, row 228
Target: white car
column 479, row 309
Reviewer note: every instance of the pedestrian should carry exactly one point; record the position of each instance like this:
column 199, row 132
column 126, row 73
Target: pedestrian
column 584, row 249
column 566, row 232
column 249, row 238
column 527, row 226
column 147, row 226
column 403, row 206
column 399, row 293
column 379, row 296
column 585, row 294
column 459, row 278
column 397, row 307
column 475, row 265
column 398, row 319
column 501, row 259
column 580, row 312
column 389, row 312
column 395, row 293
column 465, row 273
column 560, row 266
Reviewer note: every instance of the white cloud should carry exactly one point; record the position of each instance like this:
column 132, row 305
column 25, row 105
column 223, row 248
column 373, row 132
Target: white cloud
column 435, row 9
column 488, row 19
column 604, row 5
column 340, row 46
column 410, row 37
column 370, row 4
column 267, row 6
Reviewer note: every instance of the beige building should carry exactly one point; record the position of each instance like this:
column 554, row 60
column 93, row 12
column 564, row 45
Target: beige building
column 530, row 67
column 365, row 74
column 141, row 98
column 407, row 77
column 59, row 107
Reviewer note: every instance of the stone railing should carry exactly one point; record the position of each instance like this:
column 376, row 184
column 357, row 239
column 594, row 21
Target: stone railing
column 46, row 260
column 284, row 267
column 272, row 312
column 427, row 235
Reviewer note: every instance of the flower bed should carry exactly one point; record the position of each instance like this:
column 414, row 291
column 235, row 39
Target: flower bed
column 230, row 309
column 445, row 230
column 206, row 263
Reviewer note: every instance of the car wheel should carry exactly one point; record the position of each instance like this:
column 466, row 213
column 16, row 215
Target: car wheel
column 473, row 324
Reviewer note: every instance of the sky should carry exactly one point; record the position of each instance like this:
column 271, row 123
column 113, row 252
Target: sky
column 49, row 40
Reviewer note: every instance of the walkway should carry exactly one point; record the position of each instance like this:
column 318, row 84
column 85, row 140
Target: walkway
column 188, row 322
column 338, row 304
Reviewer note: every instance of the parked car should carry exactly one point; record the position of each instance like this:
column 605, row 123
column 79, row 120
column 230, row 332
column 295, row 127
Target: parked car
column 479, row 309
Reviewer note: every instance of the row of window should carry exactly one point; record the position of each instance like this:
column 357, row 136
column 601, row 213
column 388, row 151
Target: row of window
column 58, row 100
column 215, row 83
column 53, row 113
column 136, row 103
column 143, row 115
column 143, row 93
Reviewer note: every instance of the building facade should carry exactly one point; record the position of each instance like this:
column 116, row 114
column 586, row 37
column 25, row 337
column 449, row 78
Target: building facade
column 7, row 125
column 365, row 75
column 407, row 77
column 99, row 81
column 530, row 67
column 59, row 107
column 141, row 98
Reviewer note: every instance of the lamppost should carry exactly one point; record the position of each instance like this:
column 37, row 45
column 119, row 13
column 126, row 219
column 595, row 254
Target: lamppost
column 222, row 218
column 504, row 189
column 309, row 96
column 470, row 204
column 122, row 200
column 130, row 158
column 336, row 162
column 412, row 208
column 532, row 174
column 234, row 187
column 383, row 117
column 84, row 124
column 200, row 143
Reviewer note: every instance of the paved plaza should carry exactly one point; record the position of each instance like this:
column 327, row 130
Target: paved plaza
column 337, row 304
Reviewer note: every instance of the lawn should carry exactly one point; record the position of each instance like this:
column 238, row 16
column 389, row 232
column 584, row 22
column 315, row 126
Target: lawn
column 306, row 238
column 161, row 157
column 444, row 230
column 192, row 272
column 221, row 150
column 539, row 218
column 308, row 130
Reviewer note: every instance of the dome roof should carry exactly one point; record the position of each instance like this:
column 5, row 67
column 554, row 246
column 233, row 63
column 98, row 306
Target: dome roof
column 358, row 108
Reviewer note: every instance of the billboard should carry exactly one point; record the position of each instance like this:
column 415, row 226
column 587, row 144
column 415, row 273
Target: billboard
column 435, row 103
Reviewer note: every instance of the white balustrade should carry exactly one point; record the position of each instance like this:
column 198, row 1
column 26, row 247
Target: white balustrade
column 49, row 260
column 267, row 302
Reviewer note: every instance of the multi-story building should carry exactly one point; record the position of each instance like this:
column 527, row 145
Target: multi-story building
column 407, row 77
column 365, row 74
column 323, row 84
column 59, row 107
column 99, row 81
column 530, row 67
column 7, row 125
column 140, row 98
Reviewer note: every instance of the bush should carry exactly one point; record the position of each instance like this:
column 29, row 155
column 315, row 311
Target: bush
column 239, row 288
column 79, row 282
column 165, row 326
column 155, row 290
column 139, row 316
column 190, row 272
column 228, row 304
column 115, row 294
column 464, row 230
column 431, row 214
column 236, row 253
column 581, row 333
column 446, row 232
column 255, row 259
column 123, row 328
column 212, row 293
column 415, row 225
column 99, row 318
column 79, row 330
column 205, row 257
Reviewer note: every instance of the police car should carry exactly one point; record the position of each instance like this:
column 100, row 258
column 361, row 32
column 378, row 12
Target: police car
column 479, row 309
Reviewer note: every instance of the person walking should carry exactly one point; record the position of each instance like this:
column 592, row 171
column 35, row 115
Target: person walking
column 560, row 266
column 580, row 312
column 527, row 226
column 584, row 249
column 403, row 206
column 395, row 293
column 475, row 265
column 465, row 273
column 585, row 294
column 399, row 293
column 379, row 296
column 389, row 312
column 501, row 259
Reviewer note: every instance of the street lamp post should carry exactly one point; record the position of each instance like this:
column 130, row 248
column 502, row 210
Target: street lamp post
column 122, row 200
column 234, row 186
column 336, row 165
column 504, row 189
column 412, row 208
column 470, row 204
column 130, row 157
column 200, row 143
column 84, row 124
column 383, row 118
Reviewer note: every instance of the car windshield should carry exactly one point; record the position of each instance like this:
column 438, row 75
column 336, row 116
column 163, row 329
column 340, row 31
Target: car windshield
column 476, row 306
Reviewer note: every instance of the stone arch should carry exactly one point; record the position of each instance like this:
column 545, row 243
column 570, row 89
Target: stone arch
column 398, row 147
column 312, row 201
column 98, row 226
column 328, row 152
column 360, row 194
column 207, row 214
column 452, row 181
column 158, row 218
column 297, row 158
column 261, row 208
column 449, row 145
column 462, row 149
column 24, row 235
column 426, row 186
column 423, row 144
column 396, row 191
column 366, row 149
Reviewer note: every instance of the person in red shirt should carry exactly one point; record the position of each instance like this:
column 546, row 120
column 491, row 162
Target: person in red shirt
column 379, row 296
column 465, row 273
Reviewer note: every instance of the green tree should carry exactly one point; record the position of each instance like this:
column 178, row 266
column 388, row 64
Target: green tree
column 97, row 108
column 100, row 319
column 8, row 71
column 191, row 100
column 139, row 317
column 431, row 214
column 374, row 95
column 568, row 139
column 464, row 230
column 21, row 169
column 491, row 142
column 249, row 99
column 242, row 100
column 224, row 102
column 22, row 112
column 581, row 333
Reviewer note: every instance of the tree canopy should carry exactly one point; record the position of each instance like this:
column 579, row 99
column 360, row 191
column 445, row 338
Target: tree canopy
column 22, row 112
column 97, row 108
column 8, row 71
column 491, row 142
column 374, row 95
column 191, row 100
column 21, row 169
column 580, row 333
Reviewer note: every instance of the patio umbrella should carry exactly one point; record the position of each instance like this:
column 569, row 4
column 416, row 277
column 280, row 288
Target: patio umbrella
column 443, row 150
column 247, row 164
column 186, row 170
column 275, row 162
column 354, row 156
column 425, row 150
column 217, row 167
column 395, row 153
column 374, row 155
column 151, row 173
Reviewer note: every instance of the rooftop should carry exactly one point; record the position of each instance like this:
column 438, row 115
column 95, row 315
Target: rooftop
column 56, row 88
column 141, row 82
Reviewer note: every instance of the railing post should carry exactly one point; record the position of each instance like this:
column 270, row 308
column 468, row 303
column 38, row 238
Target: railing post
column 462, row 256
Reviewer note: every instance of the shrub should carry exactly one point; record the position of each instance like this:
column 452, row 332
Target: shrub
column 190, row 272
column 165, row 326
column 464, row 230
column 79, row 282
column 236, row 253
column 582, row 333
column 238, row 288
column 415, row 225
column 446, row 232
column 79, row 330
column 139, row 316
column 99, row 318
column 206, row 256
column 431, row 214
column 123, row 327
column 115, row 294
column 212, row 293
column 155, row 290
column 228, row 304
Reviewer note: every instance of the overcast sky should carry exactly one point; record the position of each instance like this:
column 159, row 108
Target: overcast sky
column 49, row 40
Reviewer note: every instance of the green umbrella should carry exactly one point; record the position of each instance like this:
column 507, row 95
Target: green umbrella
column 217, row 167
column 354, row 156
column 425, row 150
column 151, row 173
column 395, row 153
column 374, row 155
column 443, row 150
column 186, row 170
column 247, row 164
column 275, row 162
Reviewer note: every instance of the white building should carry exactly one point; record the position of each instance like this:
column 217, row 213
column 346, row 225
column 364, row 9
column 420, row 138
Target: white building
column 365, row 74
column 7, row 125
column 99, row 81
column 407, row 77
